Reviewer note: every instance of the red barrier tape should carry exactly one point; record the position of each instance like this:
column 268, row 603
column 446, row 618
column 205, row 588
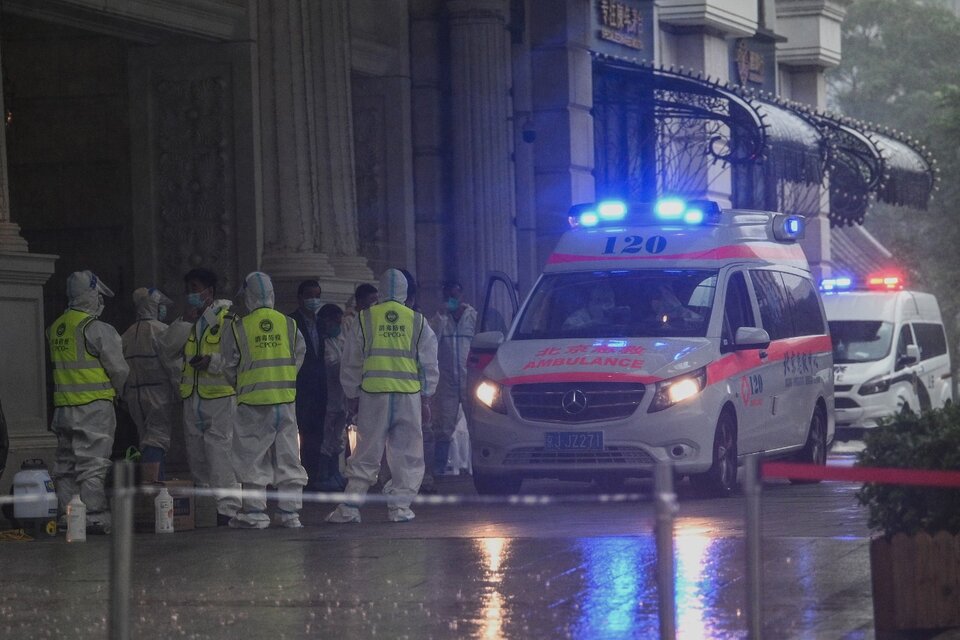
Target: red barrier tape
column 882, row 475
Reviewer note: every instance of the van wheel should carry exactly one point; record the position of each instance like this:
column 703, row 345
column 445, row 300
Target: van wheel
column 815, row 449
column 490, row 485
column 721, row 479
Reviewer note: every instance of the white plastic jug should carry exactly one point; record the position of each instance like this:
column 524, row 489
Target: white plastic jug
column 76, row 520
column 34, row 492
column 163, row 512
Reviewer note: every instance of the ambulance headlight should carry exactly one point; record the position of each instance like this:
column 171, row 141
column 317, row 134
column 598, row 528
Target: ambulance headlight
column 675, row 390
column 878, row 384
column 490, row 395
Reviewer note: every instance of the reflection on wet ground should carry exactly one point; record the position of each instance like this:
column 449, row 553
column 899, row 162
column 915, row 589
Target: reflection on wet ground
column 585, row 570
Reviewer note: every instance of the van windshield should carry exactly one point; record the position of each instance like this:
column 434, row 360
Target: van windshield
column 620, row 304
column 860, row 340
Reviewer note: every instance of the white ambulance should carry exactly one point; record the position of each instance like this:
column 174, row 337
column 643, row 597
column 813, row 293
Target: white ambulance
column 672, row 331
column 890, row 351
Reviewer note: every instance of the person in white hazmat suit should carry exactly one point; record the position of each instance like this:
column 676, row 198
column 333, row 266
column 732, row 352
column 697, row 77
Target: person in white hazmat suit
column 262, row 353
column 89, row 372
column 388, row 372
column 454, row 325
column 152, row 394
column 209, row 401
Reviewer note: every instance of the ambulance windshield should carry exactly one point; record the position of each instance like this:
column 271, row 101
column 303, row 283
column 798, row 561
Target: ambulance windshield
column 860, row 340
column 620, row 304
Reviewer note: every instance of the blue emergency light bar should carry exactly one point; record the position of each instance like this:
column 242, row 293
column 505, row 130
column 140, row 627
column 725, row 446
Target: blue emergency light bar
column 788, row 228
column 669, row 210
column 840, row 283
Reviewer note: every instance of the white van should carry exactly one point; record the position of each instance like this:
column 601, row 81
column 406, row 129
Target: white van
column 668, row 332
column 890, row 353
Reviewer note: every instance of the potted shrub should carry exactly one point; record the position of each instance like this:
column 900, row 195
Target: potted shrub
column 915, row 559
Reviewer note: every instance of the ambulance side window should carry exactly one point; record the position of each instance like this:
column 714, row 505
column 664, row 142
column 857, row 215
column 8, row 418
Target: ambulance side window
column 773, row 303
column 807, row 317
column 737, row 310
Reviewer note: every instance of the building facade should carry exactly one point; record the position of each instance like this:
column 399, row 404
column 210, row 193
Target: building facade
column 332, row 139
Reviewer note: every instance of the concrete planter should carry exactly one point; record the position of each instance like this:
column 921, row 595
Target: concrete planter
column 916, row 583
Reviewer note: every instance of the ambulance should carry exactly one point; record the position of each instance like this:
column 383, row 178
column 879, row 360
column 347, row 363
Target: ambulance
column 671, row 331
column 890, row 351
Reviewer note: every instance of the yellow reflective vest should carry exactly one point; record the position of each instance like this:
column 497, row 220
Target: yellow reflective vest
column 78, row 376
column 207, row 385
column 267, row 373
column 391, row 336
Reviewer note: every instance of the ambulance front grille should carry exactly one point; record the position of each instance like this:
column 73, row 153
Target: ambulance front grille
column 609, row 455
column 573, row 402
column 842, row 387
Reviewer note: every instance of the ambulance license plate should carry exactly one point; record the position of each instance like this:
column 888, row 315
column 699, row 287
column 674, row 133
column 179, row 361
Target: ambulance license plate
column 573, row 440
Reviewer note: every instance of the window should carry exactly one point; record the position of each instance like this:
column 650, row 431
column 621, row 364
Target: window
column 773, row 303
column 614, row 304
column 905, row 339
column 737, row 311
column 931, row 339
column 860, row 340
column 807, row 317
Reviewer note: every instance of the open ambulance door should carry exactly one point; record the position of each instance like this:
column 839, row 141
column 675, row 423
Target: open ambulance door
column 500, row 305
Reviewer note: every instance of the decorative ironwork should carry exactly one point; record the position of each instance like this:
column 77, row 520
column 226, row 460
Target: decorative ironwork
column 662, row 131
column 659, row 131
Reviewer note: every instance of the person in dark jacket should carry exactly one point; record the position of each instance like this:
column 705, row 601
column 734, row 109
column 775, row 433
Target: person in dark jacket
column 311, row 380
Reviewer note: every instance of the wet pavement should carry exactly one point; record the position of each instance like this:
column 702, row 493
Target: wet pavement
column 583, row 569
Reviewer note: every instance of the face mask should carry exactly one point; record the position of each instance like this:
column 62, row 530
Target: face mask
column 195, row 299
column 312, row 304
column 452, row 304
column 100, row 306
column 334, row 331
column 161, row 313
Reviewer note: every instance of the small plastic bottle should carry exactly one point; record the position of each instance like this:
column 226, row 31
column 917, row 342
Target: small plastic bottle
column 163, row 511
column 76, row 520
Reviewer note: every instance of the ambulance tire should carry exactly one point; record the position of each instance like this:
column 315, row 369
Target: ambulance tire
column 489, row 485
column 815, row 450
column 721, row 479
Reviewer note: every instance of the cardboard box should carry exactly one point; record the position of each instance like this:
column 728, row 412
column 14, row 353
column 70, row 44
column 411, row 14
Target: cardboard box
column 183, row 509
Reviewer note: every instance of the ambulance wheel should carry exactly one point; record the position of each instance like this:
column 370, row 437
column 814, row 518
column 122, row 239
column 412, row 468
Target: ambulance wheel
column 721, row 479
column 489, row 485
column 815, row 450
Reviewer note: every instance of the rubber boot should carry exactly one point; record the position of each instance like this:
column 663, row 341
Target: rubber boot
column 328, row 477
column 441, row 453
column 154, row 454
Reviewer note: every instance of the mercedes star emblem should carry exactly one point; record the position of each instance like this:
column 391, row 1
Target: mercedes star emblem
column 574, row 401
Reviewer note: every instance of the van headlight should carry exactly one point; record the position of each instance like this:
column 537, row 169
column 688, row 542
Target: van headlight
column 490, row 395
column 878, row 384
column 670, row 392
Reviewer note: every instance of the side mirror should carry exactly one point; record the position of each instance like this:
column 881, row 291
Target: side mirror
column 912, row 356
column 751, row 338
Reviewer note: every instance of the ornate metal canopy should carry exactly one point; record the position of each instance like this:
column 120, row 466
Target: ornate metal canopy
column 661, row 130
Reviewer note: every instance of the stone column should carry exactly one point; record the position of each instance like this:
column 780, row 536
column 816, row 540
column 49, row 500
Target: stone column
column 10, row 239
column 309, row 199
column 23, row 379
column 483, row 210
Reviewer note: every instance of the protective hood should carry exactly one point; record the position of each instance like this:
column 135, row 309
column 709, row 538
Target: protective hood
column 148, row 301
column 84, row 289
column 393, row 285
column 257, row 291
